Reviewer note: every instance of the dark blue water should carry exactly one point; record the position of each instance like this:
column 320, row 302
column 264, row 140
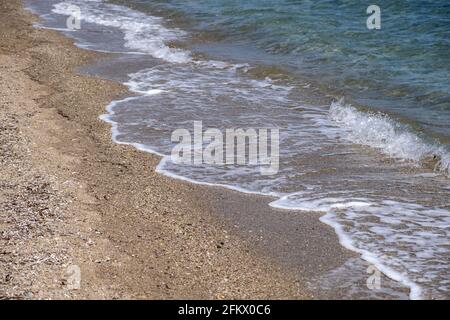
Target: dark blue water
column 402, row 69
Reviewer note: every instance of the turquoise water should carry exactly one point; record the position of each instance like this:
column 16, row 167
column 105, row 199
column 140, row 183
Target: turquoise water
column 402, row 69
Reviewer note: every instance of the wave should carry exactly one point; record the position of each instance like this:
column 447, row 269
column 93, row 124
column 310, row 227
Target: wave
column 381, row 132
column 142, row 32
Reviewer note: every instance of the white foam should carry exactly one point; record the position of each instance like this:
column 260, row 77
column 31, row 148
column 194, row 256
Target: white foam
column 165, row 158
column 326, row 206
column 141, row 32
column 347, row 242
column 412, row 234
column 114, row 126
column 381, row 132
column 154, row 91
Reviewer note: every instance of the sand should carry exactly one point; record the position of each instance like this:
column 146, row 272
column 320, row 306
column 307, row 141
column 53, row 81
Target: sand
column 76, row 206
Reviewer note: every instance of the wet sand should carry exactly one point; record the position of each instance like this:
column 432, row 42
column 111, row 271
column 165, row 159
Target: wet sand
column 69, row 196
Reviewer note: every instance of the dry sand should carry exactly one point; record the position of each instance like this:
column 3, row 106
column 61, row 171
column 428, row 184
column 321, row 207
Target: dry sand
column 69, row 197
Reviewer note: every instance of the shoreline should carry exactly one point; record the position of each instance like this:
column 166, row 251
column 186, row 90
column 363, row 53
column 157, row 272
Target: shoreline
column 132, row 232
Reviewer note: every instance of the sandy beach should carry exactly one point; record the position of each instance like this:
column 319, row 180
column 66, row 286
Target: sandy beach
column 71, row 198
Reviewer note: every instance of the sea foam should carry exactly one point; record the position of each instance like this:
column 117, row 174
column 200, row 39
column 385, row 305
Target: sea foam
column 385, row 134
column 142, row 32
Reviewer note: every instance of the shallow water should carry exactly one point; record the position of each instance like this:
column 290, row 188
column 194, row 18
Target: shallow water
column 403, row 68
column 371, row 175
